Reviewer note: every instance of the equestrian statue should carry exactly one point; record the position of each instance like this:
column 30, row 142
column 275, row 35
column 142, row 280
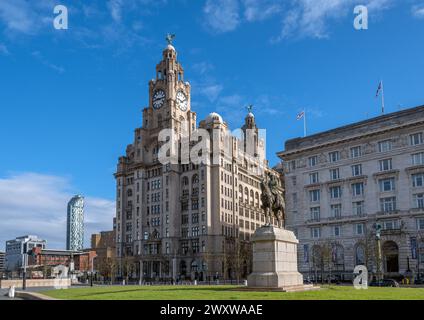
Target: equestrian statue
column 272, row 199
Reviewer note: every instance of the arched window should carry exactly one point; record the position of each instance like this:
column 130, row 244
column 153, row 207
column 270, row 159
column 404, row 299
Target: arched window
column 185, row 181
column 257, row 199
column 338, row 257
column 246, row 195
column 360, row 255
column 183, row 268
column 252, row 198
column 317, row 261
column 195, row 179
column 194, row 266
column 240, row 193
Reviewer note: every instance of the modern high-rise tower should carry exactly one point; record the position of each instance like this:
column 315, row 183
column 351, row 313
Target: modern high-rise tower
column 75, row 224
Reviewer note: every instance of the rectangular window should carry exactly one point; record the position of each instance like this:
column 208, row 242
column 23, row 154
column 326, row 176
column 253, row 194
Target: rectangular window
column 313, row 161
column 359, row 229
column 418, row 158
column 386, row 165
column 419, row 200
column 357, row 170
column 334, row 156
column 355, row 152
column 387, row 185
column 337, row 230
column 416, row 139
column 315, row 233
column 335, row 174
column 420, row 223
column 385, row 145
column 390, row 224
column 358, row 189
column 336, row 192
column 358, row 208
column 195, row 218
column 336, row 211
column 315, row 213
column 388, row 205
column 418, row 180
column 313, row 178
column 314, row 195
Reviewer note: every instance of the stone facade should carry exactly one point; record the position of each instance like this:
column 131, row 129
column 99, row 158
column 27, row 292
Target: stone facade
column 274, row 259
column 185, row 220
column 342, row 183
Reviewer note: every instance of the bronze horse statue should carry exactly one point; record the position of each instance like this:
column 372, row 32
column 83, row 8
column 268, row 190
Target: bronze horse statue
column 272, row 199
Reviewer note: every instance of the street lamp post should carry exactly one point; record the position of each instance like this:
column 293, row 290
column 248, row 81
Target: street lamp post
column 92, row 270
column 141, row 272
column 25, row 256
column 379, row 255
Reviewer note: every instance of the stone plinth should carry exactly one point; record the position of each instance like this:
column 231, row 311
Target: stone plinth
column 275, row 260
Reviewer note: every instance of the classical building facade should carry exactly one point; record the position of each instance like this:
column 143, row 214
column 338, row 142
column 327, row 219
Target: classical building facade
column 344, row 183
column 75, row 224
column 185, row 219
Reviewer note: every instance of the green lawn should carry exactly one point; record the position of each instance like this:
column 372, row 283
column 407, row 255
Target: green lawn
column 231, row 293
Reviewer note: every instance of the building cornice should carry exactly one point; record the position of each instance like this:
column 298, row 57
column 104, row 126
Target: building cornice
column 291, row 148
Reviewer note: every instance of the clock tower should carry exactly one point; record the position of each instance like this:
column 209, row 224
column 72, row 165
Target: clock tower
column 169, row 97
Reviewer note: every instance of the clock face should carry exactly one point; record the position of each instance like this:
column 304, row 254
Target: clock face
column 158, row 99
column 182, row 102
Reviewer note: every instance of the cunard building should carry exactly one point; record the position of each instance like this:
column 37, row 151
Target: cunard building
column 184, row 219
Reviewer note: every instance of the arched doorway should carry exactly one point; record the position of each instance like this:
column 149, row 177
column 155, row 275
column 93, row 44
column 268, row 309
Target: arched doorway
column 338, row 257
column 183, row 268
column 390, row 257
column 359, row 254
column 317, row 263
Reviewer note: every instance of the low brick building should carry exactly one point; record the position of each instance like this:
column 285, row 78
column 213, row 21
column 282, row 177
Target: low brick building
column 82, row 260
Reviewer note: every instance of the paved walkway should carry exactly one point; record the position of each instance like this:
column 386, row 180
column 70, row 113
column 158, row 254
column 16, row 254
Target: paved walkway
column 4, row 296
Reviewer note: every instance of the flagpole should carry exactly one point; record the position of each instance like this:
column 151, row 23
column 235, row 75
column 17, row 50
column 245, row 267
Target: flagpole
column 304, row 123
column 382, row 97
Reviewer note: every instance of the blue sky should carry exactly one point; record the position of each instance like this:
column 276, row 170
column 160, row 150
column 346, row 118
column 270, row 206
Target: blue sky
column 70, row 99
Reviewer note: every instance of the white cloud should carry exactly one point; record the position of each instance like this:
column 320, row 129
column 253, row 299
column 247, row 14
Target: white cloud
column 25, row 16
column 115, row 9
column 32, row 203
column 202, row 67
column 17, row 16
column 44, row 61
column 310, row 18
column 300, row 18
column 418, row 11
column 211, row 91
column 257, row 10
column 4, row 50
column 222, row 15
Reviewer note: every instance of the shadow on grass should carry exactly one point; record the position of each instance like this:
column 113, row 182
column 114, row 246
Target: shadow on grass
column 156, row 289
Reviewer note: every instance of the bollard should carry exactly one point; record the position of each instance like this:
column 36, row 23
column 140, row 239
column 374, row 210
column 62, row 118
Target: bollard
column 11, row 293
column 195, row 282
column 245, row 283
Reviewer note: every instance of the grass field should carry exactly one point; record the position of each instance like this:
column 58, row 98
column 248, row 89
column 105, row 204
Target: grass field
column 231, row 293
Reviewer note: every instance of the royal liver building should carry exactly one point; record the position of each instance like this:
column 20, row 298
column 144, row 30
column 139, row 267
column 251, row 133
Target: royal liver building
column 188, row 196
